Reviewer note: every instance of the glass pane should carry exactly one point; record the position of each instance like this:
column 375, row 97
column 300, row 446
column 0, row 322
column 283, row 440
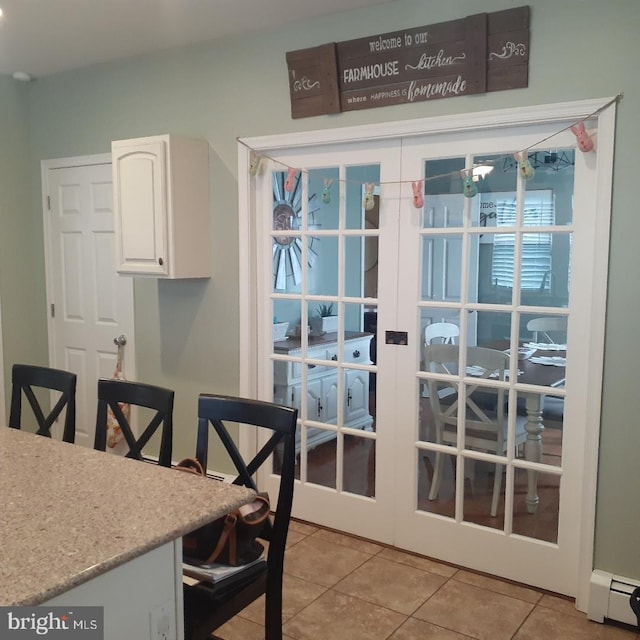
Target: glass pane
column 322, row 274
column 287, row 219
column 323, row 319
column 437, row 326
column 442, row 175
column 493, row 329
column 545, row 332
column 502, row 177
column 548, row 426
column 491, row 288
column 543, row 368
column 441, row 279
column 554, row 171
column 484, row 484
column 362, row 196
column 370, row 325
column 286, row 320
column 355, row 268
column 436, row 483
column 443, row 202
column 543, row 524
column 321, row 457
column 546, row 260
column 359, row 468
column 485, row 422
column 324, row 198
column 438, row 406
column 356, row 390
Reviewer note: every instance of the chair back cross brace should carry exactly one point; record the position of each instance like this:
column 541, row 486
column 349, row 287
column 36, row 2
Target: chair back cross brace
column 114, row 393
column 24, row 378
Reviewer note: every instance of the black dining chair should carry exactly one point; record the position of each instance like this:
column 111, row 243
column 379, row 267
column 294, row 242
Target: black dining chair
column 207, row 605
column 24, row 379
column 112, row 394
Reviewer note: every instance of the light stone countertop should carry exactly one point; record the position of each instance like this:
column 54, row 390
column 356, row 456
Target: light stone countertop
column 69, row 514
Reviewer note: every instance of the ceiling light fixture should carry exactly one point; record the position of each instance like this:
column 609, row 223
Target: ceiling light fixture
column 481, row 171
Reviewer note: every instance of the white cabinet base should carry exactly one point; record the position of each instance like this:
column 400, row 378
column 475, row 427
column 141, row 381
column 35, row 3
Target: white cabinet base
column 322, row 399
column 132, row 592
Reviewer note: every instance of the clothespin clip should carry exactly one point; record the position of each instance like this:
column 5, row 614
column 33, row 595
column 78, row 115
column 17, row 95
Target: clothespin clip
column 418, row 200
column 255, row 161
column 469, row 189
column 288, row 185
column 326, row 192
column 524, row 166
column 585, row 143
column 368, row 202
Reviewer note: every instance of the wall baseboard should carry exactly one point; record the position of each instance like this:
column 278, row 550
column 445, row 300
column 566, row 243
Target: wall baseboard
column 609, row 598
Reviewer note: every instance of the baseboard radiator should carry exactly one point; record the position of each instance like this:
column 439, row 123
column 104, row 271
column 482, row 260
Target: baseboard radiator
column 610, row 597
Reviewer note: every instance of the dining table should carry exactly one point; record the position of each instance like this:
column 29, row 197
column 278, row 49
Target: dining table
column 81, row 527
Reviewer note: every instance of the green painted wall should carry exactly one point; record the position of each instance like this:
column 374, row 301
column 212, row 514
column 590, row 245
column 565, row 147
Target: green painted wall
column 187, row 336
column 21, row 249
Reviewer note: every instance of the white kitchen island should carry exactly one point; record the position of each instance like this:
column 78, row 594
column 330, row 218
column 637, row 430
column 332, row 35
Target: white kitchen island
column 83, row 527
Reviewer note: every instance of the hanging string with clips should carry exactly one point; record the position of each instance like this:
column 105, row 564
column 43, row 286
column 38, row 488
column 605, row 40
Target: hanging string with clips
column 584, row 141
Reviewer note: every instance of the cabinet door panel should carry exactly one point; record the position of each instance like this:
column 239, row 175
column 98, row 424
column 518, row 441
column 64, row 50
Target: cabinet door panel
column 357, row 394
column 139, row 187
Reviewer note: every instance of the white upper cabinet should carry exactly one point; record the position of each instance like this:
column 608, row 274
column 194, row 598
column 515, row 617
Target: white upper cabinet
column 161, row 205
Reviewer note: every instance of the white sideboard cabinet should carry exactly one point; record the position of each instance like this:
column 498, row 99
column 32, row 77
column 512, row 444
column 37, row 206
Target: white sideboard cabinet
column 323, row 397
column 161, row 207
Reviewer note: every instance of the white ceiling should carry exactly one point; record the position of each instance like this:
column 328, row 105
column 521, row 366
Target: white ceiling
column 41, row 37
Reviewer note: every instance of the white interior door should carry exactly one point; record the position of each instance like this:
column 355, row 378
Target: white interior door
column 89, row 304
column 494, row 274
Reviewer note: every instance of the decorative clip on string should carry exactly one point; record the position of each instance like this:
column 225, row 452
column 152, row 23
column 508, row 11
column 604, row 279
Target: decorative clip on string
column 524, row 166
column 418, row 200
column 368, row 202
column 288, row 185
column 469, row 189
column 585, row 143
column 326, row 192
column 254, row 163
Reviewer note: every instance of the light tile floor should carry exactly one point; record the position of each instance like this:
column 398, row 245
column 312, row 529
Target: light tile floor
column 338, row 587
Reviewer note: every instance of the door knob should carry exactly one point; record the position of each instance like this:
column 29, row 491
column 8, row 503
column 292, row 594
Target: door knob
column 120, row 341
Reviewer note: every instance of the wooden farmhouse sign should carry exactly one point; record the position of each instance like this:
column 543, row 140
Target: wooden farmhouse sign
column 476, row 54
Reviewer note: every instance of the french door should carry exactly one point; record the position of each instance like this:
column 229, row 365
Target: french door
column 392, row 235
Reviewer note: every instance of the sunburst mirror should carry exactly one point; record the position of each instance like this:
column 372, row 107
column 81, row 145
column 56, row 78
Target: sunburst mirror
column 287, row 216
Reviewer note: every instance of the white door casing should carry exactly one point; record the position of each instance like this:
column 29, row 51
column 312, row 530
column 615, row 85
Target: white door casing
column 591, row 202
column 88, row 303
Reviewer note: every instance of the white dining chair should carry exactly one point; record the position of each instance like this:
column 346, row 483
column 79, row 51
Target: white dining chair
column 441, row 333
column 485, row 429
column 543, row 326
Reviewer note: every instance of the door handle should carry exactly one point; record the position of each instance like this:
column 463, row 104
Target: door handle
column 120, row 341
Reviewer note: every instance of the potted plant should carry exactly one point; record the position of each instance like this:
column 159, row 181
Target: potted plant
column 325, row 320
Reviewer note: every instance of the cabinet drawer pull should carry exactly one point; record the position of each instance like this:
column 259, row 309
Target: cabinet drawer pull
column 160, row 261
